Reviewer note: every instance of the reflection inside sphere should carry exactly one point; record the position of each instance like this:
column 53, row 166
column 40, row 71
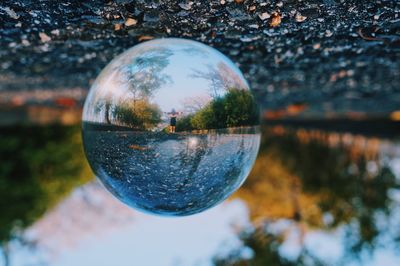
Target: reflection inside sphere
column 170, row 127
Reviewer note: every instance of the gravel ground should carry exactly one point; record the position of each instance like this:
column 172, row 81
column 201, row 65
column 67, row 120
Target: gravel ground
column 333, row 56
column 171, row 174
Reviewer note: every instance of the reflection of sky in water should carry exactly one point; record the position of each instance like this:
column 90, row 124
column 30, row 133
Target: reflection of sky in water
column 329, row 246
column 156, row 241
column 139, row 239
column 125, row 237
column 92, row 228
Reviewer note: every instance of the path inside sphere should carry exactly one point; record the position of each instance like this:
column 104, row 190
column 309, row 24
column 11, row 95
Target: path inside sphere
column 171, row 173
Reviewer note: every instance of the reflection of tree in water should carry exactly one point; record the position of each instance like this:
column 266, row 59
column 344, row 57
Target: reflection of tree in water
column 265, row 248
column 144, row 76
column 316, row 186
column 36, row 172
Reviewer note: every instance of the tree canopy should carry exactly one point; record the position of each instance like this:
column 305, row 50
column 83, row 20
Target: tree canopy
column 236, row 108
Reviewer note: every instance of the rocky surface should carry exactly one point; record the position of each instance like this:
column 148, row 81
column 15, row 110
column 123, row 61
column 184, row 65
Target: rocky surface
column 174, row 174
column 331, row 56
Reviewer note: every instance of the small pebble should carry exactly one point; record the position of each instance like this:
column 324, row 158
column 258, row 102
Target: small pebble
column 55, row 32
column 299, row 17
column 44, row 37
column 317, row 46
column 186, row 5
column 130, row 22
column 275, row 19
column 25, row 42
column 145, row 38
column 264, row 16
column 117, row 27
column 10, row 12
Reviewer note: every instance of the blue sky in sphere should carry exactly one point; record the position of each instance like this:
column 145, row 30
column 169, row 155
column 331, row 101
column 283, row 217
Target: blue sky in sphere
column 183, row 64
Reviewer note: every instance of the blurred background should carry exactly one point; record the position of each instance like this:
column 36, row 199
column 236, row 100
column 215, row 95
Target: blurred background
column 325, row 186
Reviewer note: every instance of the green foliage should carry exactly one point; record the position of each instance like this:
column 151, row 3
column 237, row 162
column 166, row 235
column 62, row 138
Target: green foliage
column 240, row 108
column 205, row 118
column 138, row 114
column 38, row 167
column 144, row 76
column 184, row 123
column 236, row 108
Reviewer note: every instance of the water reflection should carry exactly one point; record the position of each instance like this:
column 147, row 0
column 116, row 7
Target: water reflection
column 39, row 166
column 313, row 198
column 310, row 187
column 170, row 127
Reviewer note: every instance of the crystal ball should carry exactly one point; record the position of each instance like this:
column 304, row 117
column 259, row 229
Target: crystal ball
column 170, row 127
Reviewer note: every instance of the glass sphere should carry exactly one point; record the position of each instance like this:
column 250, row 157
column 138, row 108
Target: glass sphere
column 170, row 127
